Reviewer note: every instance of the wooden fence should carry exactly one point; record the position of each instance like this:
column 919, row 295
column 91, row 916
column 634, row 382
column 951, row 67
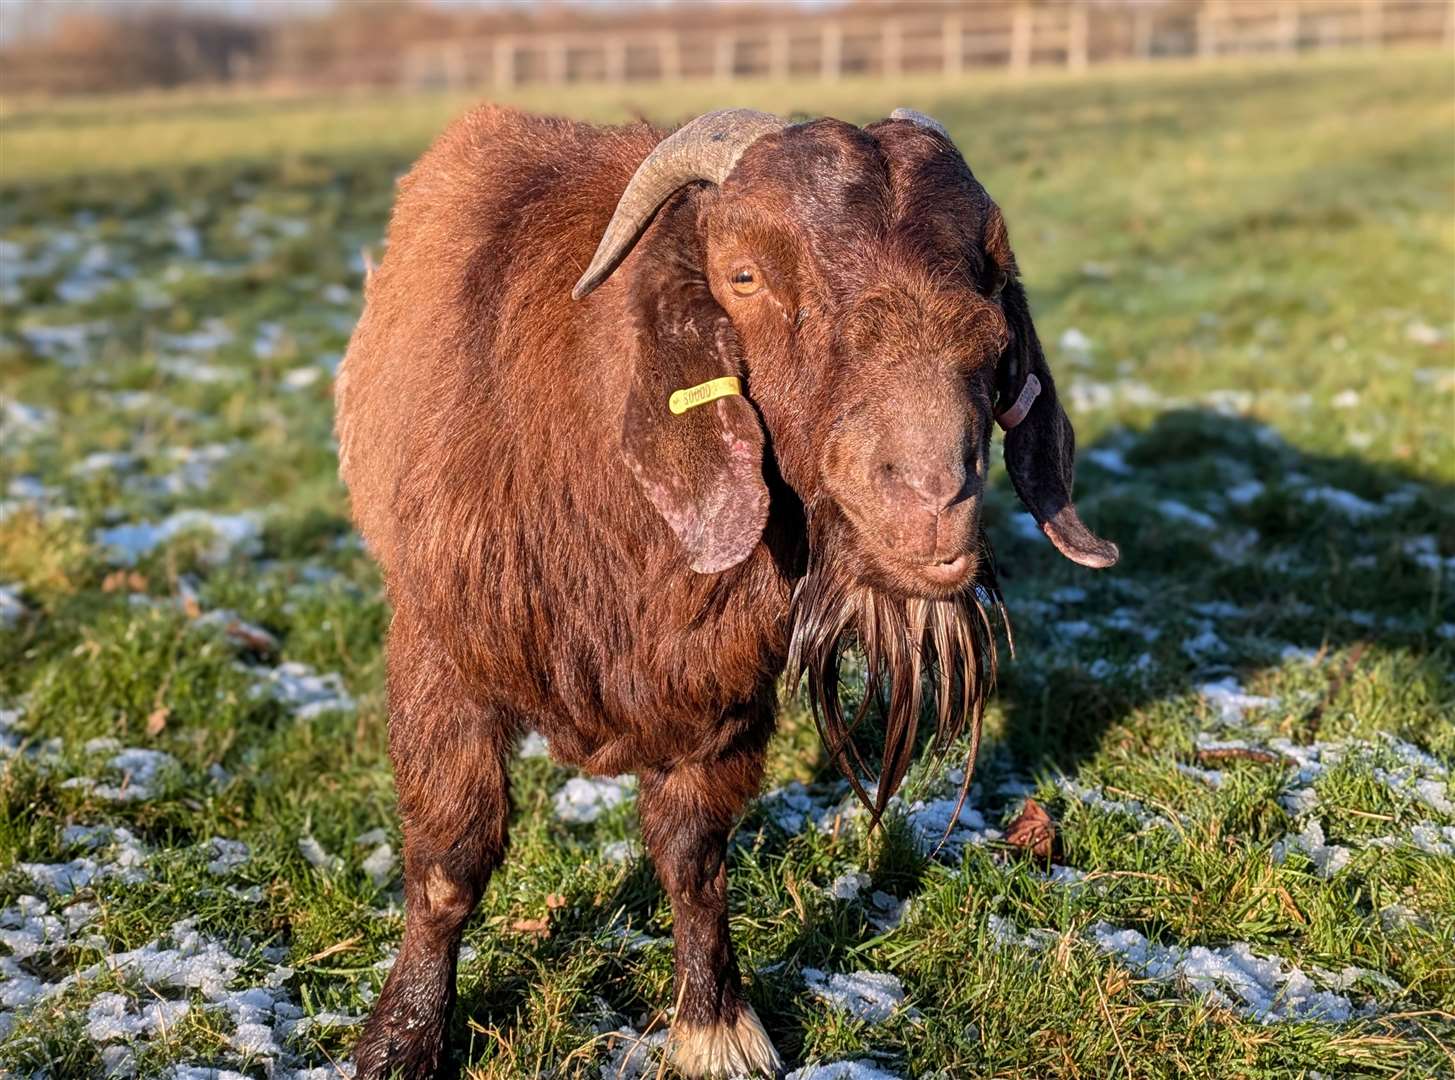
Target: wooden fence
column 1018, row 36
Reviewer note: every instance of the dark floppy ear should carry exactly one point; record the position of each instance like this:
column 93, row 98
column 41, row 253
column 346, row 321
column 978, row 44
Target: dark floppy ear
column 702, row 468
column 1040, row 448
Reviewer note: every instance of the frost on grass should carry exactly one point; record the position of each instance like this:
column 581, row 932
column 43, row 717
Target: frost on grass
column 316, row 855
column 379, row 865
column 11, row 608
column 1230, row 702
column 849, row 885
column 111, row 1016
column 226, row 855
column 581, row 800
column 632, row 1055
column 1262, row 988
column 139, row 772
column 231, row 534
column 870, row 996
column 1327, row 858
column 301, row 690
column 860, row 1069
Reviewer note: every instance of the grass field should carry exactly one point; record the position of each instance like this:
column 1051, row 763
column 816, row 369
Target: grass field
column 1246, row 279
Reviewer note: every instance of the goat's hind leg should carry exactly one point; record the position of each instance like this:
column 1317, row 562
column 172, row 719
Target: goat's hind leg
column 450, row 768
column 687, row 814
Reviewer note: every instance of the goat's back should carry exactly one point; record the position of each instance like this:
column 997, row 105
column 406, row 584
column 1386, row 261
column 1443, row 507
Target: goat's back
column 468, row 319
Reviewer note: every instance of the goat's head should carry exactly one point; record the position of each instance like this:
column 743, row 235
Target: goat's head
column 862, row 282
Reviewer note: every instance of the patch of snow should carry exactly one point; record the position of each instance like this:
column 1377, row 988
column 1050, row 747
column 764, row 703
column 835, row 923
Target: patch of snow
column 582, row 800
column 379, row 865
column 1245, row 493
column 1110, row 459
column 111, row 1017
column 232, row 534
column 227, row 855
column 848, row 885
column 1074, row 341
column 633, row 1056
column 1328, row 859
column 1422, row 333
column 1230, row 701
column 1345, row 502
column 861, row 1069
column 1173, row 510
column 621, row 851
column 1265, row 989
column 865, row 995
column 304, row 692
column 316, row 855
column 11, row 608
column 534, row 746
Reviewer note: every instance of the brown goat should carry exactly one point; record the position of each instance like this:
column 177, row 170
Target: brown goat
column 615, row 519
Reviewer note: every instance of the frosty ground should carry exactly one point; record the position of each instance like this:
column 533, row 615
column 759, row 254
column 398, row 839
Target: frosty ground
column 1244, row 731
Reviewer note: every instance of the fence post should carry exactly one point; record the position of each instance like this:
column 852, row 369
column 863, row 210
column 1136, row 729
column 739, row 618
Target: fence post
column 1372, row 24
column 502, row 63
column 1020, row 39
column 454, row 65
column 778, row 52
column 558, row 61
column 1287, row 27
column 1142, row 35
column 831, row 52
column 893, row 35
column 1076, row 38
column 725, row 57
column 1207, row 30
column 952, row 35
column 669, row 56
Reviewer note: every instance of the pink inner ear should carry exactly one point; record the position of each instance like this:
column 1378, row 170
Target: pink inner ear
column 1012, row 416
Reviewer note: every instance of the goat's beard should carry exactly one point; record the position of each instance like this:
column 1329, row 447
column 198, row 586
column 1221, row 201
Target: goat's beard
column 909, row 645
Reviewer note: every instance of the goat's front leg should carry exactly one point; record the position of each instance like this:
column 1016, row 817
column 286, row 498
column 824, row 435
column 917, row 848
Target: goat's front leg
column 687, row 813
column 450, row 758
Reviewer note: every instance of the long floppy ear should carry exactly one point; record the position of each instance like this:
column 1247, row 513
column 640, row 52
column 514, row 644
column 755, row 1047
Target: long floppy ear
column 1040, row 445
column 700, row 465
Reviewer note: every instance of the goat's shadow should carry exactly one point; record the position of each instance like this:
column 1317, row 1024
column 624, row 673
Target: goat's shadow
column 1222, row 524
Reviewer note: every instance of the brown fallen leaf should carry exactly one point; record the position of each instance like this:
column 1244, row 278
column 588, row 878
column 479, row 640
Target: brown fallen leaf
column 254, row 638
column 532, row 926
column 157, row 721
column 555, row 900
column 1033, row 831
column 130, row 580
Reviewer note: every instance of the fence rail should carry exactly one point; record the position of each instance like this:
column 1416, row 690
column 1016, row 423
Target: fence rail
column 1015, row 36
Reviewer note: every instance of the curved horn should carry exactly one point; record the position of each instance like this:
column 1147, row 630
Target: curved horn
column 704, row 149
column 915, row 117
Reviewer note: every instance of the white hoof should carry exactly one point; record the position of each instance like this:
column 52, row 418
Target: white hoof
column 723, row 1050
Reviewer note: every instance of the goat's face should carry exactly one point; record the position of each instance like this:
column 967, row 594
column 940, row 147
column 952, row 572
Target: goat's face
column 863, row 273
column 862, row 284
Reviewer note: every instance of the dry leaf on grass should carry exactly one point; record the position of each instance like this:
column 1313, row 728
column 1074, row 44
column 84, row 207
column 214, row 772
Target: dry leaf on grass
column 158, row 720
column 1033, row 831
column 129, row 580
column 532, row 926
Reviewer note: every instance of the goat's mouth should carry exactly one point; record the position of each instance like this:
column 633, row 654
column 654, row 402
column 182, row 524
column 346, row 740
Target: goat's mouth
column 937, row 578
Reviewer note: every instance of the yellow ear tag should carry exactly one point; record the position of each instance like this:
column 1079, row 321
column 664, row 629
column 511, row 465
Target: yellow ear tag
column 702, row 393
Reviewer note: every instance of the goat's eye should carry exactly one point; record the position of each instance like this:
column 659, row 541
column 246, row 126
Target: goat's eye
column 745, row 280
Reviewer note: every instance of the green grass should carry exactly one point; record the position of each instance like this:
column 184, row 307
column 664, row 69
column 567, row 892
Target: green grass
column 1263, row 260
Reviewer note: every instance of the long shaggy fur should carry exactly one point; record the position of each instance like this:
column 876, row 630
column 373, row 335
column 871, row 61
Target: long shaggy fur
column 914, row 651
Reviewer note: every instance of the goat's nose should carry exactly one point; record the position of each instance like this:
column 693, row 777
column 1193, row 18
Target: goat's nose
column 922, row 486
